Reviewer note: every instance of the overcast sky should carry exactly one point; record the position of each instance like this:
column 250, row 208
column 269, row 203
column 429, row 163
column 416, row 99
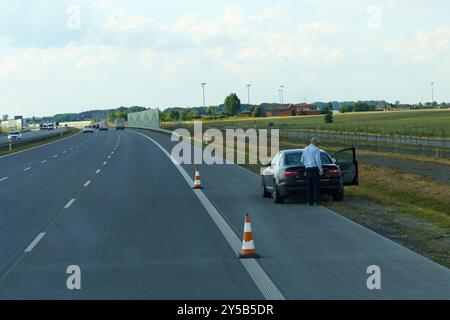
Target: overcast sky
column 60, row 56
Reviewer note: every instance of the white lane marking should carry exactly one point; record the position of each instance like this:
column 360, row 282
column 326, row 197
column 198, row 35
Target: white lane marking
column 35, row 242
column 69, row 204
column 98, row 171
column 43, row 161
column 112, row 152
column 26, row 169
column 64, row 152
column 109, row 157
column 40, row 146
column 105, row 163
column 3, row 179
column 268, row 289
column 55, row 156
column 87, row 183
column 71, row 149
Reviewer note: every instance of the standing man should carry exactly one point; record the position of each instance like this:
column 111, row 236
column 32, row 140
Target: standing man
column 314, row 170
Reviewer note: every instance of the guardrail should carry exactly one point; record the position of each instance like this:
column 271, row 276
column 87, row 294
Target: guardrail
column 9, row 146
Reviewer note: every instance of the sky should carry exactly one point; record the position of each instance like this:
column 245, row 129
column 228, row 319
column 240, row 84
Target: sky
column 59, row 56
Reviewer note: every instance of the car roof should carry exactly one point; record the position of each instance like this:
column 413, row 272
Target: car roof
column 298, row 150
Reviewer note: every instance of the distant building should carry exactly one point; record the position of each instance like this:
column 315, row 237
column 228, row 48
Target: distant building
column 397, row 107
column 302, row 109
column 245, row 114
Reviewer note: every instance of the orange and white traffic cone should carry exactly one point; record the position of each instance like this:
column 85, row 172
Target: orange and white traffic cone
column 248, row 246
column 197, row 182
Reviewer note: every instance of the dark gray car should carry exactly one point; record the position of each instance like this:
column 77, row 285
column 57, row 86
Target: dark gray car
column 285, row 176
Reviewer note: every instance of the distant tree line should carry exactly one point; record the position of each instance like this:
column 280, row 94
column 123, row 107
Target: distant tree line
column 97, row 115
column 357, row 107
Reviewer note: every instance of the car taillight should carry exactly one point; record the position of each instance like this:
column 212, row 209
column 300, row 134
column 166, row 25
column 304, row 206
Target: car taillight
column 291, row 172
column 336, row 172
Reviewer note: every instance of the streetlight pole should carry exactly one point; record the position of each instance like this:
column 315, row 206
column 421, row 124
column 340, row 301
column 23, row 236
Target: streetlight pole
column 203, row 87
column 248, row 93
column 281, row 94
column 432, row 93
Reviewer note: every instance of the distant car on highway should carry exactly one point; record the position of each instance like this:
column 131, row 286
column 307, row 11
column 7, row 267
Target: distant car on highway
column 89, row 129
column 103, row 126
column 286, row 174
column 14, row 136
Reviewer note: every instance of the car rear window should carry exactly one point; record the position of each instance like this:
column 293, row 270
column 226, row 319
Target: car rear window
column 294, row 159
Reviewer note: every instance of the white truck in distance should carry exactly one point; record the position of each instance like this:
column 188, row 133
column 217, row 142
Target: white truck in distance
column 120, row 124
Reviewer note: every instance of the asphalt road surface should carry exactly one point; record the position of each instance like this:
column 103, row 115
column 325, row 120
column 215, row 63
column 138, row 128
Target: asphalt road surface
column 115, row 205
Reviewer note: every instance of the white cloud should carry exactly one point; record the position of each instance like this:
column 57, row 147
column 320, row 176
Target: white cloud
column 319, row 28
column 425, row 47
column 173, row 67
column 96, row 56
column 124, row 21
column 40, row 60
column 147, row 59
column 233, row 24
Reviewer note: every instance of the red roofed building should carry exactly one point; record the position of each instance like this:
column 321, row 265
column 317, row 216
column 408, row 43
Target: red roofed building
column 301, row 109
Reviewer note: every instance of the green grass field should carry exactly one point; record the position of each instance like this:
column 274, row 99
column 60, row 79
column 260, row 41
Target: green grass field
column 433, row 123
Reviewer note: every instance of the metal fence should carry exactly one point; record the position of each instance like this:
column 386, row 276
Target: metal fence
column 407, row 140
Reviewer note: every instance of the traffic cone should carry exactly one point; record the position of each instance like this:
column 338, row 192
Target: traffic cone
column 197, row 182
column 248, row 246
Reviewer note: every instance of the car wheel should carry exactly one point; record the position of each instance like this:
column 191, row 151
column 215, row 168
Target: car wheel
column 338, row 195
column 277, row 198
column 264, row 191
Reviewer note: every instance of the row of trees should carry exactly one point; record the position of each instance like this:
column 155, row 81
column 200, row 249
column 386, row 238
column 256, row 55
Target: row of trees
column 232, row 106
column 357, row 107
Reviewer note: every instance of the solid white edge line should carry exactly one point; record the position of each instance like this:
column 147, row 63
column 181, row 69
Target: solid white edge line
column 35, row 242
column 268, row 289
column 69, row 204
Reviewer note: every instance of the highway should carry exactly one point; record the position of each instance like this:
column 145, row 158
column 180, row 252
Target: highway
column 31, row 135
column 114, row 204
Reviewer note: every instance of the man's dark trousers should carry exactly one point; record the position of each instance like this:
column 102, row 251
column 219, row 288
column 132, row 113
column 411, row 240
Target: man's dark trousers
column 313, row 181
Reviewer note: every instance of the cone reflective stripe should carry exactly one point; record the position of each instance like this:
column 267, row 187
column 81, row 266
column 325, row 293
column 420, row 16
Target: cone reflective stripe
column 248, row 245
column 197, row 182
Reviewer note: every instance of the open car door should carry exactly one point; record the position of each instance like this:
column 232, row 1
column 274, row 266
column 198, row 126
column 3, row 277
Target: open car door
column 346, row 160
